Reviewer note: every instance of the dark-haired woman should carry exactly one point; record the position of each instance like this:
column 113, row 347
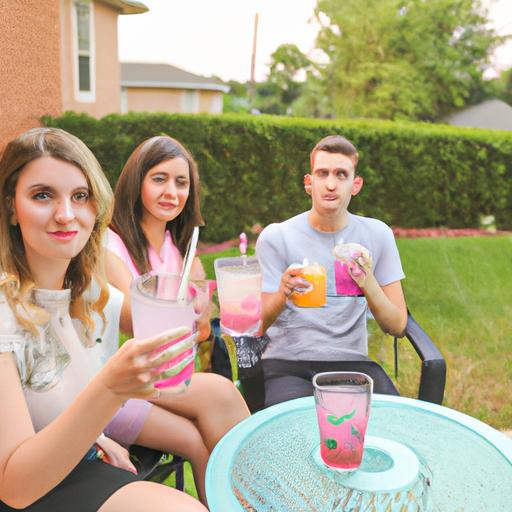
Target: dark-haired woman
column 156, row 209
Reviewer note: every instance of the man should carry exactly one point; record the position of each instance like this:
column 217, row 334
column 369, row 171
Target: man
column 305, row 341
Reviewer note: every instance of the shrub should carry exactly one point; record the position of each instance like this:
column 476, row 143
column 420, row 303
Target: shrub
column 416, row 174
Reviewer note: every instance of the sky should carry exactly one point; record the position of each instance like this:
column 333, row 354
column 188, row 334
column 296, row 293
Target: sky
column 210, row 37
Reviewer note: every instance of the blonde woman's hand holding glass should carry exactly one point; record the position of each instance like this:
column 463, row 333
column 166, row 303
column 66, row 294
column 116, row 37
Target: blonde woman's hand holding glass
column 132, row 371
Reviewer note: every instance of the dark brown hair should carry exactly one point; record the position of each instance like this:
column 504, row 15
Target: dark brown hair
column 336, row 144
column 128, row 202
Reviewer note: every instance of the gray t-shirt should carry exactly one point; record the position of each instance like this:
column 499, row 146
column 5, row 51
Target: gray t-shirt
column 336, row 331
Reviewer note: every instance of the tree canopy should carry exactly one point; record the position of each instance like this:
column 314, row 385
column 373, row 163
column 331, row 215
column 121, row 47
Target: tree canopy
column 283, row 85
column 412, row 59
column 388, row 59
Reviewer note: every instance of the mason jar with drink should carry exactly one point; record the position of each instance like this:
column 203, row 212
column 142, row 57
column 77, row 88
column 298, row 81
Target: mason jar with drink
column 314, row 295
column 155, row 308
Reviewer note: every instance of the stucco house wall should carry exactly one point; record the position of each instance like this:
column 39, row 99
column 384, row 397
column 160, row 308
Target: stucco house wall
column 38, row 61
column 30, row 83
column 210, row 102
column 146, row 99
column 139, row 99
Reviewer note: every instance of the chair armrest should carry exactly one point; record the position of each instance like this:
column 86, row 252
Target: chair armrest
column 433, row 365
column 145, row 460
column 155, row 466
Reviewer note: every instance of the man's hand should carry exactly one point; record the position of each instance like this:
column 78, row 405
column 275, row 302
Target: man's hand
column 274, row 303
column 358, row 260
column 360, row 268
column 291, row 281
column 386, row 303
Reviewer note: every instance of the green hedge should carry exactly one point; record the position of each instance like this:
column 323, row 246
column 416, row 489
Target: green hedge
column 416, row 175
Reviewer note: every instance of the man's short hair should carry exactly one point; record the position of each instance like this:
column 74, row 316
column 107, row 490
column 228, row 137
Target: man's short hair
column 336, row 144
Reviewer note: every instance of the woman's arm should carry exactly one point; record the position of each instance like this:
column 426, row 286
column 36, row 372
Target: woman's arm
column 31, row 464
column 115, row 454
column 202, row 305
column 119, row 275
column 197, row 270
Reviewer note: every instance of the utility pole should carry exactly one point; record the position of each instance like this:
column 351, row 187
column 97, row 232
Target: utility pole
column 253, row 58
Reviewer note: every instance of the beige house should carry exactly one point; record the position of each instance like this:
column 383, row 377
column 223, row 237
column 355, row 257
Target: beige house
column 493, row 114
column 59, row 55
column 149, row 87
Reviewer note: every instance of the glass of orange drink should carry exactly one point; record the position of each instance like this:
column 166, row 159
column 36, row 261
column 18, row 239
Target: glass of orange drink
column 315, row 295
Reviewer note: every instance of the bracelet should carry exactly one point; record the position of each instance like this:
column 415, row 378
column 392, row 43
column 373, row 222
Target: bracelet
column 100, row 454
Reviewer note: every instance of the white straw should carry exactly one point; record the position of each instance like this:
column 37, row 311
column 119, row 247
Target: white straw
column 187, row 265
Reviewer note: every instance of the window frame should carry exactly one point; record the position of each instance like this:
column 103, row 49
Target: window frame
column 90, row 95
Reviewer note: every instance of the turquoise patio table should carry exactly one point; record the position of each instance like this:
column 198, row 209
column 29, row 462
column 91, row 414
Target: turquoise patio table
column 270, row 462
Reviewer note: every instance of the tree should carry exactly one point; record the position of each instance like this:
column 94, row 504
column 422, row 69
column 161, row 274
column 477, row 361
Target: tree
column 283, row 85
column 502, row 86
column 237, row 98
column 507, row 89
column 412, row 59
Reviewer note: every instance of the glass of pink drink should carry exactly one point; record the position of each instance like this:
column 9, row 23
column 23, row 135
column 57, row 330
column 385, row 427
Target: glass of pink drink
column 154, row 310
column 239, row 290
column 342, row 406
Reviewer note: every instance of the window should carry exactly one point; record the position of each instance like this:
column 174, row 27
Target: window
column 124, row 100
column 84, row 50
column 190, row 101
column 216, row 103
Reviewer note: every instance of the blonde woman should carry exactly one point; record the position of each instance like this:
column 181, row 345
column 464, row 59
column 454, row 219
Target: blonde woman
column 53, row 404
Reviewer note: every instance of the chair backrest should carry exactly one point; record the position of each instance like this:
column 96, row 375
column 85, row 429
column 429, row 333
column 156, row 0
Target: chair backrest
column 433, row 364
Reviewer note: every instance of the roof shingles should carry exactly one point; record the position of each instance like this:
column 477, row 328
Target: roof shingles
column 139, row 74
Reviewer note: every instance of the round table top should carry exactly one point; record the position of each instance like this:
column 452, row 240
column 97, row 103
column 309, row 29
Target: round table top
column 266, row 462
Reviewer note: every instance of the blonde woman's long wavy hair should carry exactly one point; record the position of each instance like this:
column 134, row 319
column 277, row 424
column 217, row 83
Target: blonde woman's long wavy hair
column 16, row 281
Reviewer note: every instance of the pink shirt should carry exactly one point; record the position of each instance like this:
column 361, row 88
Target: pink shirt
column 126, row 425
column 169, row 259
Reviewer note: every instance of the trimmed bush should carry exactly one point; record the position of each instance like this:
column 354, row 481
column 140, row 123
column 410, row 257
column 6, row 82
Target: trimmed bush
column 416, row 174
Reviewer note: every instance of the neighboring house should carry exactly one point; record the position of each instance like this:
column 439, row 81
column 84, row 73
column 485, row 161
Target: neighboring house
column 58, row 55
column 164, row 88
column 491, row 114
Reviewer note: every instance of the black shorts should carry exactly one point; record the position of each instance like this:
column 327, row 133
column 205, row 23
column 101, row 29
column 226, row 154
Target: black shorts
column 85, row 489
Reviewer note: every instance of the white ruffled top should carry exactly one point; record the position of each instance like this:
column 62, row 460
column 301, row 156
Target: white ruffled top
column 57, row 365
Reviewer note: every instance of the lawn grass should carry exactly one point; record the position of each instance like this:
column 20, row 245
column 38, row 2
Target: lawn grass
column 190, row 487
column 459, row 290
column 208, row 259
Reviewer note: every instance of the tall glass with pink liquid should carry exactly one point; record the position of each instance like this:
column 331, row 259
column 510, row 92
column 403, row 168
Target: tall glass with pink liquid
column 239, row 289
column 342, row 406
column 154, row 310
